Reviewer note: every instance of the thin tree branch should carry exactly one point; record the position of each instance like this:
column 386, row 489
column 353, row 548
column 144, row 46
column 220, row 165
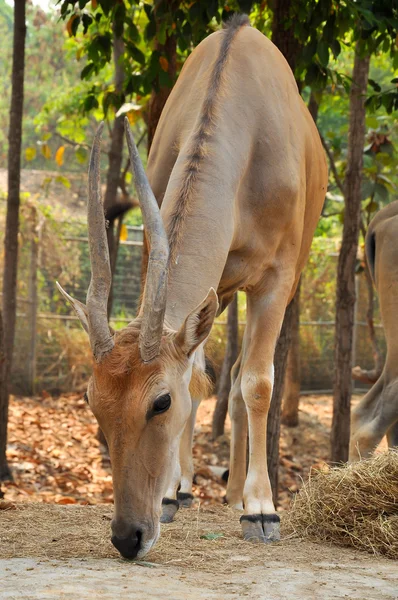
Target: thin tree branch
column 332, row 164
column 75, row 144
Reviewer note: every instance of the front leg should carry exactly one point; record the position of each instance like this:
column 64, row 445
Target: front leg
column 170, row 503
column 260, row 523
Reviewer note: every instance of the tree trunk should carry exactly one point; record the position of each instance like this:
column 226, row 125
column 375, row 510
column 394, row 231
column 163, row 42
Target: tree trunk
column 282, row 36
column 274, row 415
column 157, row 101
column 292, row 382
column 345, row 299
column 160, row 93
column 7, row 329
column 4, row 470
column 14, row 178
column 115, row 161
column 290, row 413
column 231, row 354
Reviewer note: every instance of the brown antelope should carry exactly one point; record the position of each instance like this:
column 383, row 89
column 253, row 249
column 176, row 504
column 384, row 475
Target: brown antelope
column 377, row 413
column 239, row 171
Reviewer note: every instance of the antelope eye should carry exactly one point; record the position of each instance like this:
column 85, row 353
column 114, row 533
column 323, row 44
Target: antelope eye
column 162, row 404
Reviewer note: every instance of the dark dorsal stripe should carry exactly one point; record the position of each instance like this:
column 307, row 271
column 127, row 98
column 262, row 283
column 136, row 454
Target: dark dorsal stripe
column 203, row 133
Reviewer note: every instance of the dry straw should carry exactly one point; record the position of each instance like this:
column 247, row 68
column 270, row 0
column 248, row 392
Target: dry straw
column 355, row 505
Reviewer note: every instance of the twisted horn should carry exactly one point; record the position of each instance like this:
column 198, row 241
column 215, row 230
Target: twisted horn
column 154, row 301
column 101, row 339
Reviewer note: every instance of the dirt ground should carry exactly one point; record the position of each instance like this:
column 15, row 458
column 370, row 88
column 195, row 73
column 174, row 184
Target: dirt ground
column 55, row 456
column 65, row 552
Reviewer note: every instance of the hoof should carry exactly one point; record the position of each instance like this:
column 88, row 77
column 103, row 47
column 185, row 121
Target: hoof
column 225, row 475
column 169, row 509
column 261, row 528
column 290, row 420
column 184, row 499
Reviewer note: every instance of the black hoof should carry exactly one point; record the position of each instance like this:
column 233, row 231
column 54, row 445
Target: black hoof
column 169, row 509
column 184, row 499
column 225, row 475
column 261, row 528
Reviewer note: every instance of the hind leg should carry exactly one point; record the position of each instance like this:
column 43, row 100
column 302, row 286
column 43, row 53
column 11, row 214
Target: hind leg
column 374, row 417
column 184, row 495
column 392, row 436
column 238, row 415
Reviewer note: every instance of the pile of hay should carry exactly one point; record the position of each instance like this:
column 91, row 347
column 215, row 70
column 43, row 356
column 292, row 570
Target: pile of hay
column 355, row 505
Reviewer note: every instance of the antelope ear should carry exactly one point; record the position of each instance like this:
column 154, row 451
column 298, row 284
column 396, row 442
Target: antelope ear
column 79, row 307
column 198, row 324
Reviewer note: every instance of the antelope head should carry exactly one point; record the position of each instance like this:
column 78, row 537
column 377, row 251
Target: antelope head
column 139, row 389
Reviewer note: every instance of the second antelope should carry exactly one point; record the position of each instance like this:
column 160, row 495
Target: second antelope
column 377, row 413
column 239, row 171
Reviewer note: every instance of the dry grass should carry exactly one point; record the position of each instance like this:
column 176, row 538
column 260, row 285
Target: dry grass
column 355, row 505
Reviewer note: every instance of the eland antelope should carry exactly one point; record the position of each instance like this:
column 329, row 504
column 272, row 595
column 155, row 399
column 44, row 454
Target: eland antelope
column 377, row 413
column 238, row 169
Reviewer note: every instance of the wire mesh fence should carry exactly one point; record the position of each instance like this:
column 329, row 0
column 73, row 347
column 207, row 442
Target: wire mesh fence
column 52, row 351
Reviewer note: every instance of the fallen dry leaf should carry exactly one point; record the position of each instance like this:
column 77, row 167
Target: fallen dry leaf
column 55, row 457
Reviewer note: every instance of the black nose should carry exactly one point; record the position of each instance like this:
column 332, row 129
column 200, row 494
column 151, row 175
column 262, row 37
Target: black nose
column 128, row 546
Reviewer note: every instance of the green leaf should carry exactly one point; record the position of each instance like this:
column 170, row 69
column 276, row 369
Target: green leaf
column 64, row 180
column 388, row 102
column 133, row 84
column 90, row 102
column 148, row 10
column 87, row 71
column 372, row 122
column 309, row 51
column 150, row 31
column 64, row 8
column 133, row 32
column 75, row 24
column 372, row 207
column 212, row 536
column 381, row 191
column 161, row 35
column 336, row 48
column 106, row 5
column 87, row 20
column 245, row 6
column 81, row 155
column 165, row 79
column 119, row 18
column 367, row 189
column 323, row 53
column 30, row 153
column 136, row 54
column 374, row 85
